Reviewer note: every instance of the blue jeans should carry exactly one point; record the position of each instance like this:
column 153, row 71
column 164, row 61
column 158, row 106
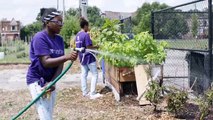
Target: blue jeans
column 92, row 67
column 103, row 70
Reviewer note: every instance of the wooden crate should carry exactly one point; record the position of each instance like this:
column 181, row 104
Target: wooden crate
column 116, row 76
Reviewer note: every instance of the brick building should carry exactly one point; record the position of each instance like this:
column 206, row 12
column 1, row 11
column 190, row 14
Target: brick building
column 9, row 29
column 117, row 15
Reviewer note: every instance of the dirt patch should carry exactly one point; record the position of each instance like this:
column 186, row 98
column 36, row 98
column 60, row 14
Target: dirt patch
column 71, row 105
column 13, row 66
column 74, row 69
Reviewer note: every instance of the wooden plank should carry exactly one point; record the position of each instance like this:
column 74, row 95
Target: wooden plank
column 141, row 81
column 111, row 79
column 116, row 76
column 126, row 75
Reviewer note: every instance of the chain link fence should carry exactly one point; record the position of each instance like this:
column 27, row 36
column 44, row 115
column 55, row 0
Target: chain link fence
column 186, row 29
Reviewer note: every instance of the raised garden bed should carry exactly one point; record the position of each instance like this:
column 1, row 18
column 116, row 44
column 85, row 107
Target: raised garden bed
column 116, row 76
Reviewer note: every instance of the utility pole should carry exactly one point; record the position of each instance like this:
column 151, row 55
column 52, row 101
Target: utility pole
column 83, row 7
column 64, row 9
column 57, row 4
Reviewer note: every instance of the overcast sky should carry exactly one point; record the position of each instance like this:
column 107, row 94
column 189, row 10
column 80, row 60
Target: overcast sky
column 27, row 10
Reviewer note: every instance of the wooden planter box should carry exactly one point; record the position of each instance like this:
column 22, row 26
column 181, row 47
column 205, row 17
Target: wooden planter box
column 117, row 76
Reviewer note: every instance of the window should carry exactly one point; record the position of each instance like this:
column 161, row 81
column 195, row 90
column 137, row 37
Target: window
column 13, row 28
column 121, row 17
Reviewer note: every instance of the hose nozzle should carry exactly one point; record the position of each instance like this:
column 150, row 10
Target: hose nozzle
column 82, row 49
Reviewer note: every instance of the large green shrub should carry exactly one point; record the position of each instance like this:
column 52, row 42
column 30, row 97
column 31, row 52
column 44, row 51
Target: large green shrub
column 121, row 52
column 71, row 27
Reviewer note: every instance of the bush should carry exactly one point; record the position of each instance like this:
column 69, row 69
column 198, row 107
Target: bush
column 94, row 34
column 205, row 103
column 176, row 100
column 6, row 50
column 203, row 108
column 122, row 52
column 20, row 48
column 21, row 55
column 71, row 27
column 153, row 94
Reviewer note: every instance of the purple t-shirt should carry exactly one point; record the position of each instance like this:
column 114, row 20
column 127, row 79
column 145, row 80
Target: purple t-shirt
column 42, row 45
column 83, row 40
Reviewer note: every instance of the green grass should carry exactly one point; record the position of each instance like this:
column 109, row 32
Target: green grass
column 188, row 44
column 12, row 51
column 12, row 57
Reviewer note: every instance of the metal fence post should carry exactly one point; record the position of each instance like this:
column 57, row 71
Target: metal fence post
column 210, row 39
column 152, row 24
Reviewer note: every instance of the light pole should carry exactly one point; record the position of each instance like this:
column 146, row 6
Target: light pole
column 64, row 9
column 57, row 4
column 83, row 7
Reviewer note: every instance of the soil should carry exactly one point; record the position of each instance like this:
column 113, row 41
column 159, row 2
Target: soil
column 70, row 104
column 75, row 66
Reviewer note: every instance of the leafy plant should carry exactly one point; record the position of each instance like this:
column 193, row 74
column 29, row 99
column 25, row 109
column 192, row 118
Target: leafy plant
column 148, row 49
column 111, row 42
column 72, row 41
column 153, row 94
column 94, row 34
column 209, row 96
column 205, row 103
column 20, row 48
column 110, row 32
column 176, row 100
column 122, row 52
column 71, row 27
column 203, row 107
column 21, row 55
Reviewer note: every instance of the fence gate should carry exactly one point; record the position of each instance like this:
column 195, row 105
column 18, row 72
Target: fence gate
column 188, row 30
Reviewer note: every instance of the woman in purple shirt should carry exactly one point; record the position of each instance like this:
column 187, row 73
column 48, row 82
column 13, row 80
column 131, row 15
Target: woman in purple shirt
column 88, row 61
column 47, row 58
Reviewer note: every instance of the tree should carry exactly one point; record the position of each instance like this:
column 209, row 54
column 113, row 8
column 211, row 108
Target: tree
column 144, row 25
column 31, row 29
column 142, row 19
column 73, row 12
column 94, row 16
column 166, row 25
column 71, row 23
column 170, row 25
column 70, row 28
column 194, row 25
